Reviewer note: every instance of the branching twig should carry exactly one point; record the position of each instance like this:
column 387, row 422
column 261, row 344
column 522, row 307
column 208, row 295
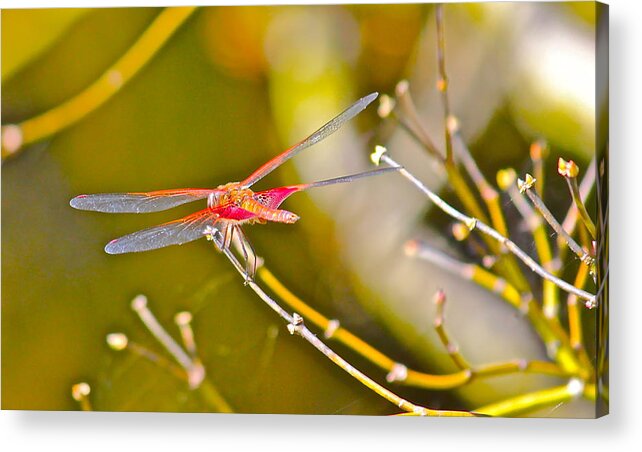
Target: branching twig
column 487, row 192
column 194, row 369
column 297, row 326
column 550, row 300
column 481, row 226
column 395, row 370
column 554, row 338
column 414, row 125
column 506, row 264
column 525, row 186
column 191, row 368
column 450, row 346
column 406, row 109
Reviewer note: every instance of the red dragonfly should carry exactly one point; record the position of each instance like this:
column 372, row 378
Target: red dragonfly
column 228, row 206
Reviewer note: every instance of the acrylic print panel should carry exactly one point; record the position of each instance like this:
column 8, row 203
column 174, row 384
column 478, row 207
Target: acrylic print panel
column 465, row 276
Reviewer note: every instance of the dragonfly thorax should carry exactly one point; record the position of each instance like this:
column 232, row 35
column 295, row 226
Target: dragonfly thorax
column 242, row 205
column 231, row 193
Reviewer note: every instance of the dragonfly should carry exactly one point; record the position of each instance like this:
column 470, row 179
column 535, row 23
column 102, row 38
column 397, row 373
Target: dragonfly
column 229, row 206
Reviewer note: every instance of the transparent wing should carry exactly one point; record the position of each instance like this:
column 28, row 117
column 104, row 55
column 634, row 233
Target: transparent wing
column 152, row 201
column 273, row 197
column 176, row 232
column 328, row 129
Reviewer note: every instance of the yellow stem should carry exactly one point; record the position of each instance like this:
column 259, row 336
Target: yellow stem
column 413, row 377
column 108, row 84
column 526, row 403
column 575, row 317
column 553, row 336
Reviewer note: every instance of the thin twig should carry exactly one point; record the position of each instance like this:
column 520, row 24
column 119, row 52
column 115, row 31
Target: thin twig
column 481, row 226
column 395, row 370
column 184, row 322
column 450, row 346
column 519, row 365
column 442, row 83
column 486, row 191
column 407, row 108
column 569, row 170
column 538, row 152
column 525, row 186
column 192, row 366
column 139, row 305
column 586, row 186
column 17, row 136
column 553, row 336
column 405, row 126
column 120, row 342
column 506, row 179
column 506, row 264
column 471, row 272
column 456, row 142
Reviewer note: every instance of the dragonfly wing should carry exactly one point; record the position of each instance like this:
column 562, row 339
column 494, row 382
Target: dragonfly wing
column 153, row 201
column 273, row 197
column 176, row 232
column 328, row 129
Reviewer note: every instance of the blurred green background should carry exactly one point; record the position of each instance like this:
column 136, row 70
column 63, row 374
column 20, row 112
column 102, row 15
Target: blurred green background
column 232, row 88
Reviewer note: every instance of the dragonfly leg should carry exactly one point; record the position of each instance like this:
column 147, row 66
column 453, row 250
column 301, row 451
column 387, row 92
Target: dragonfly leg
column 228, row 232
column 248, row 253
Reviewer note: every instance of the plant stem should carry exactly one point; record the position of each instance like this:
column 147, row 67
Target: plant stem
column 526, row 403
column 103, row 89
column 487, row 192
column 481, row 226
column 296, row 325
column 550, row 219
column 442, row 83
column 553, row 336
column 194, row 371
column 333, row 330
column 414, row 126
column 550, row 298
column 570, row 220
column 577, row 199
column 450, row 346
column 575, row 316
column 506, row 264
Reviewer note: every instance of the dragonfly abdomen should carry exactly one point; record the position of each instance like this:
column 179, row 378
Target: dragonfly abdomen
column 267, row 213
